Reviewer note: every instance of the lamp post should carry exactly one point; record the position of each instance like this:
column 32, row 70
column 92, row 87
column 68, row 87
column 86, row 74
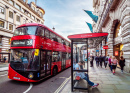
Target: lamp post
column 53, row 29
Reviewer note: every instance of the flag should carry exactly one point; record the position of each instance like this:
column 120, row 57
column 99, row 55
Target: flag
column 90, row 26
column 94, row 17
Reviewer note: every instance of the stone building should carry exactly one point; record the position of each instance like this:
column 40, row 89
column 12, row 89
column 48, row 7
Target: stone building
column 12, row 14
column 114, row 18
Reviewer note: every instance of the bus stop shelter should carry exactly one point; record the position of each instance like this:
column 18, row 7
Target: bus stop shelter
column 89, row 41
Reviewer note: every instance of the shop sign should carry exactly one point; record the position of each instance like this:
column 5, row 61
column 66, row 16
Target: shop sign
column 105, row 47
column 116, row 53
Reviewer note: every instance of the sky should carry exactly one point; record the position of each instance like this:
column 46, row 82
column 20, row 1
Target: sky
column 66, row 16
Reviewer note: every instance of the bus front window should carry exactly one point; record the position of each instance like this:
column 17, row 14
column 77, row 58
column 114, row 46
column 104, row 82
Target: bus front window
column 28, row 30
column 25, row 59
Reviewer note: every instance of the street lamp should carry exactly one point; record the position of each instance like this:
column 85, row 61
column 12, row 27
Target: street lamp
column 53, row 29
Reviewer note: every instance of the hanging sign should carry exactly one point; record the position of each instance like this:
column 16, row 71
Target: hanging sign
column 105, row 47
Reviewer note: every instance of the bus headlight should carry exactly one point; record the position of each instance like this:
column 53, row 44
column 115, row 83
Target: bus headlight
column 30, row 75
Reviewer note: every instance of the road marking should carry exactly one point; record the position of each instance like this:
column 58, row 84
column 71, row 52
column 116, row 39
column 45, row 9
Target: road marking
column 62, row 77
column 3, row 75
column 62, row 85
column 31, row 85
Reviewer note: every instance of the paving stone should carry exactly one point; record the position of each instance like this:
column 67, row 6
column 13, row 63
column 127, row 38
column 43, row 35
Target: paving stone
column 124, row 82
column 114, row 79
column 110, row 82
column 122, row 91
column 126, row 87
column 106, row 91
column 104, row 86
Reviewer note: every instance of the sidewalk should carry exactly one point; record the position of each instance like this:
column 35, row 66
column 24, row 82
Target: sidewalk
column 108, row 83
column 3, row 66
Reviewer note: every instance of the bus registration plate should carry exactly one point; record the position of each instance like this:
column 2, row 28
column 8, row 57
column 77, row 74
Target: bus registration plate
column 16, row 78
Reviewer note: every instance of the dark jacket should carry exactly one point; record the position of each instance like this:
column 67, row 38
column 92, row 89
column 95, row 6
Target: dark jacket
column 97, row 58
column 100, row 59
column 122, row 62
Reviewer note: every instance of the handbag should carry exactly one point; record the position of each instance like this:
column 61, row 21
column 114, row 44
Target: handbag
column 77, row 78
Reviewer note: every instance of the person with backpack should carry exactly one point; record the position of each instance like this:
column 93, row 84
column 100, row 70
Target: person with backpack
column 114, row 63
column 106, row 61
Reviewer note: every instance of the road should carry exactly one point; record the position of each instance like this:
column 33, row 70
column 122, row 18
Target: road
column 50, row 85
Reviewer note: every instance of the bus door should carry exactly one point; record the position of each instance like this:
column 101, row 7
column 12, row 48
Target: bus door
column 45, row 63
column 63, row 64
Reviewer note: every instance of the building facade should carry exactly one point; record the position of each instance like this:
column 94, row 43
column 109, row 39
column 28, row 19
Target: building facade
column 12, row 14
column 114, row 18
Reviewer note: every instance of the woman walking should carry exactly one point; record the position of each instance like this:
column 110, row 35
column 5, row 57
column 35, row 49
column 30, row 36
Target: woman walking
column 109, row 60
column 122, row 63
column 114, row 63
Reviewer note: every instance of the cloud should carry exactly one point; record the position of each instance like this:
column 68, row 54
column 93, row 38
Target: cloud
column 67, row 16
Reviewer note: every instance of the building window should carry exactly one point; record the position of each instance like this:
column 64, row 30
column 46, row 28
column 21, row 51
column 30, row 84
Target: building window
column 0, row 40
column 10, row 27
column 18, row 7
column 18, row 18
column 29, row 14
column 11, row 2
column 2, row 10
column 24, row 21
column 33, row 17
column 38, row 20
column 1, row 23
column 41, row 14
column 117, row 30
column 23, row 10
column 10, row 14
column 33, row 8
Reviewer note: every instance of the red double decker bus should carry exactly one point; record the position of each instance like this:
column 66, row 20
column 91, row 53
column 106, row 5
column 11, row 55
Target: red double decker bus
column 37, row 52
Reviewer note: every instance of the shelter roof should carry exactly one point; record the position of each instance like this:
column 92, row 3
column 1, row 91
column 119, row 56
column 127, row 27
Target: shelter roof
column 94, row 39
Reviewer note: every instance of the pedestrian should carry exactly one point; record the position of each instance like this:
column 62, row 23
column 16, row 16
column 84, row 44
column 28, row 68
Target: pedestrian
column 109, row 60
column 103, row 58
column 91, row 61
column 97, row 61
column 100, row 60
column 4, row 59
column 114, row 63
column 83, row 75
column 122, row 63
column 106, row 61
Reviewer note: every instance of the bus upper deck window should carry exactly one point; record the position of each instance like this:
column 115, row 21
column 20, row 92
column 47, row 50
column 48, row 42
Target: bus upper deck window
column 46, row 33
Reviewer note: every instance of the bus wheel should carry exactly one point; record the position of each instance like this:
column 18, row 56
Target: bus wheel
column 54, row 71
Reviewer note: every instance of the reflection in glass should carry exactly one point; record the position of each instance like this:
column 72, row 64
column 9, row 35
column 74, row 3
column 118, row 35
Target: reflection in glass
column 24, row 59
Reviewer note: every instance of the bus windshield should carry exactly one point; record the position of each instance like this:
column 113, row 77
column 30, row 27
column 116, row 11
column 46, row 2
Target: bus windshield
column 25, row 59
column 28, row 30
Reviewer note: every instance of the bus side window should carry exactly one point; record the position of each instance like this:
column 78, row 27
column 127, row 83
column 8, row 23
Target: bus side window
column 59, row 39
column 39, row 31
column 55, row 56
column 46, row 33
column 42, row 31
column 63, row 42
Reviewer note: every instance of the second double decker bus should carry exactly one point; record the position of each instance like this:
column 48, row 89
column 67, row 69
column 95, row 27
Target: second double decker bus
column 37, row 52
